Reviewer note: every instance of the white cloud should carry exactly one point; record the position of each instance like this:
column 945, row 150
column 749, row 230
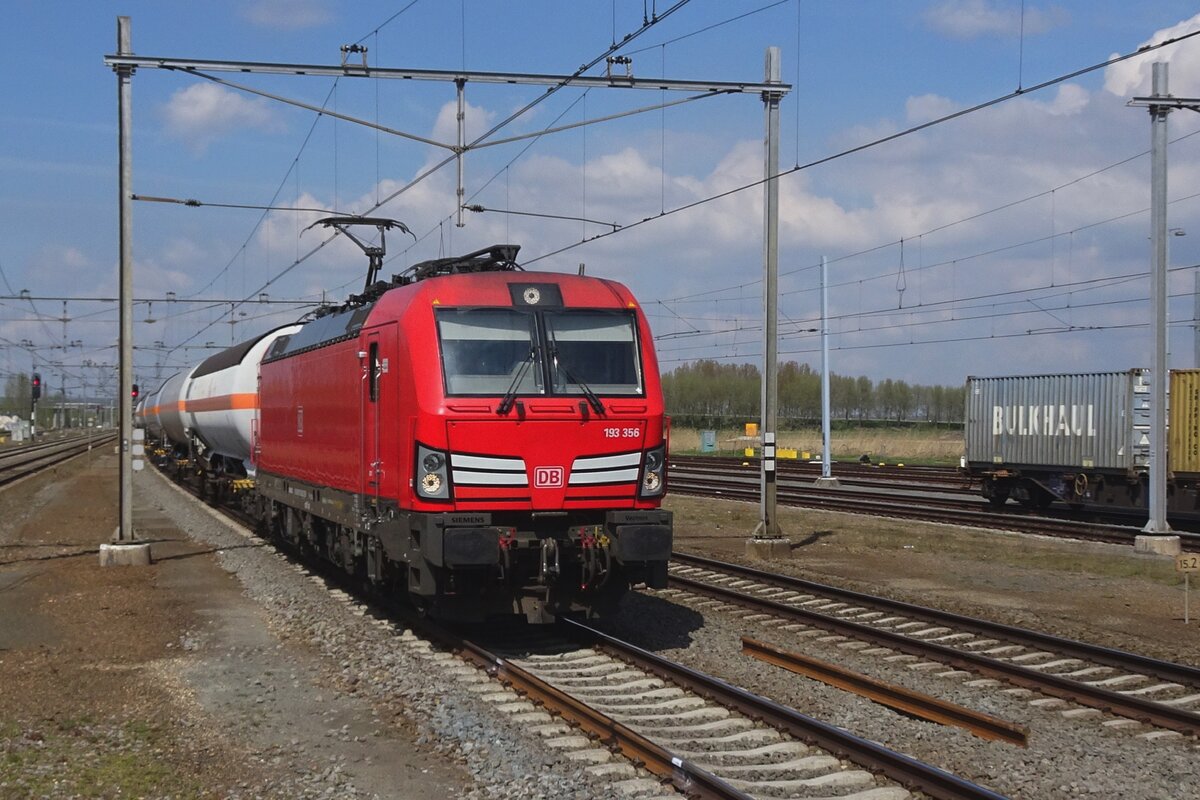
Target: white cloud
column 1133, row 76
column 204, row 112
column 972, row 19
column 287, row 14
column 73, row 258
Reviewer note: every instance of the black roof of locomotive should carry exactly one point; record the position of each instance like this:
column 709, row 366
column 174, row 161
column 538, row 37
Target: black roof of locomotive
column 320, row 332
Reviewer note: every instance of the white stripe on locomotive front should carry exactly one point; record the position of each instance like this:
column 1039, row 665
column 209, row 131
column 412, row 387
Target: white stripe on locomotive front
column 487, row 463
column 605, row 462
column 607, row 476
column 473, row 478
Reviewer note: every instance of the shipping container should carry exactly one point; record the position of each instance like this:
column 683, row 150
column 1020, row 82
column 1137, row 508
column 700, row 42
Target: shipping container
column 1183, row 422
column 1084, row 421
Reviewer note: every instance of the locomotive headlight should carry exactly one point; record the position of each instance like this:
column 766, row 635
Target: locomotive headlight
column 654, row 476
column 431, row 474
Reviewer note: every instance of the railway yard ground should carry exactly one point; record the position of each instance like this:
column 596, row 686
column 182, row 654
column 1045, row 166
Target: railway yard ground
column 224, row 671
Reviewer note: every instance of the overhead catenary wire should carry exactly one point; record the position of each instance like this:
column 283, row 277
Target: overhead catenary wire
column 499, row 126
column 705, row 295
column 868, row 145
column 672, row 210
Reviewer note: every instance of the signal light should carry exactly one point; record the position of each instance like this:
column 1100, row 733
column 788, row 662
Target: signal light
column 134, row 392
column 37, row 385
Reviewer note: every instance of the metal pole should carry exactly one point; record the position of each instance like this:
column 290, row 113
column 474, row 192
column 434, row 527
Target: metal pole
column 461, row 193
column 825, row 437
column 125, row 115
column 1157, row 522
column 1196, row 317
column 768, row 526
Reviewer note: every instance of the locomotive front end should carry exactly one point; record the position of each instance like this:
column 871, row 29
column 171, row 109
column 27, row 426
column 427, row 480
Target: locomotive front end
column 543, row 446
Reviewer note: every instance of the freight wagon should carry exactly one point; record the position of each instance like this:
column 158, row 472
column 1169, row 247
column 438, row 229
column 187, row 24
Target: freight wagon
column 1079, row 438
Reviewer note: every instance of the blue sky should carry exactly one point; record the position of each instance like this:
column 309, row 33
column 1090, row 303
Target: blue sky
column 1009, row 241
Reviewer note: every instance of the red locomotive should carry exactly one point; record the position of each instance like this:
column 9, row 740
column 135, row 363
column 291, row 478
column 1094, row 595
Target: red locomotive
column 484, row 439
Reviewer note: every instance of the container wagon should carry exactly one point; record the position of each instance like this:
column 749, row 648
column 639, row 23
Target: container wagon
column 1080, row 438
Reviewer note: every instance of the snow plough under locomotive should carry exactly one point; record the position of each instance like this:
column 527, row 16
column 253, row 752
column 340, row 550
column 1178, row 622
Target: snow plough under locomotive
column 483, row 439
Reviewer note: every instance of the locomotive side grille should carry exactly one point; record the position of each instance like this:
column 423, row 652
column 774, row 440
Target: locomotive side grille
column 487, row 471
column 622, row 468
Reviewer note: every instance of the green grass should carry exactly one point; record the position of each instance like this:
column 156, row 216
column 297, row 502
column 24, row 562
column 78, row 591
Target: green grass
column 80, row 758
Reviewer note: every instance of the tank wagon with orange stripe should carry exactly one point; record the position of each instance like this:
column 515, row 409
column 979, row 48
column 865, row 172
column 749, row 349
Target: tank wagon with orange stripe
column 482, row 439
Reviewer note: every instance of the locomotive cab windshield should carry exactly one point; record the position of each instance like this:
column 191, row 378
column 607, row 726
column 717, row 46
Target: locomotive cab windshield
column 560, row 352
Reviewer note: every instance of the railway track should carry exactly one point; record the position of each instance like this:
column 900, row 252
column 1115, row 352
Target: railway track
column 25, row 460
column 928, row 504
column 1138, row 689
column 712, row 736
column 946, row 478
column 683, row 732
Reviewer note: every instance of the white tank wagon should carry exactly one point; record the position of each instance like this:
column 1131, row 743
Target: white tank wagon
column 164, row 410
column 149, row 411
column 220, row 399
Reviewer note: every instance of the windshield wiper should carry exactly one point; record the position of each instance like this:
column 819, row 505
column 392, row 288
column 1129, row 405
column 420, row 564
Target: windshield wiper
column 510, row 396
column 592, row 399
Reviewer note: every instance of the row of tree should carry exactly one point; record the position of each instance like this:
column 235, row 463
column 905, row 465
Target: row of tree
column 18, row 396
column 708, row 393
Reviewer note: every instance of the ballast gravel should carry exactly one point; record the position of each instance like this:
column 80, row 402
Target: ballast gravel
column 1069, row 756
column 403, row 679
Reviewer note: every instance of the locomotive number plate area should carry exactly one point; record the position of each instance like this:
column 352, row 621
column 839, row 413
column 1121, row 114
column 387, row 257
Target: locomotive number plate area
column 622, row 433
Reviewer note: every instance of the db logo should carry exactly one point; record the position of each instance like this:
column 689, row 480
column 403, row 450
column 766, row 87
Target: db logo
column 547, row 477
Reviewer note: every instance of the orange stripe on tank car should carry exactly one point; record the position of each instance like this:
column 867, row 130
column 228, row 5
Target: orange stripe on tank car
column 225, row 402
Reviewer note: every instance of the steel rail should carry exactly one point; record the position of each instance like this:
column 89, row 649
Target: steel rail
column 904, row 506
column 26, row 461
column 933, row 709
column 933, row 475
column 1109, row 656
column 1146, row 711
column 683, row 775
column 910, row 772
column 1115, row 524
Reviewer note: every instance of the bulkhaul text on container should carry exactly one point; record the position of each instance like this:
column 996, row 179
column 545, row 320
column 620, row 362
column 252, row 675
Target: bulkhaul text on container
column 1044, row 420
